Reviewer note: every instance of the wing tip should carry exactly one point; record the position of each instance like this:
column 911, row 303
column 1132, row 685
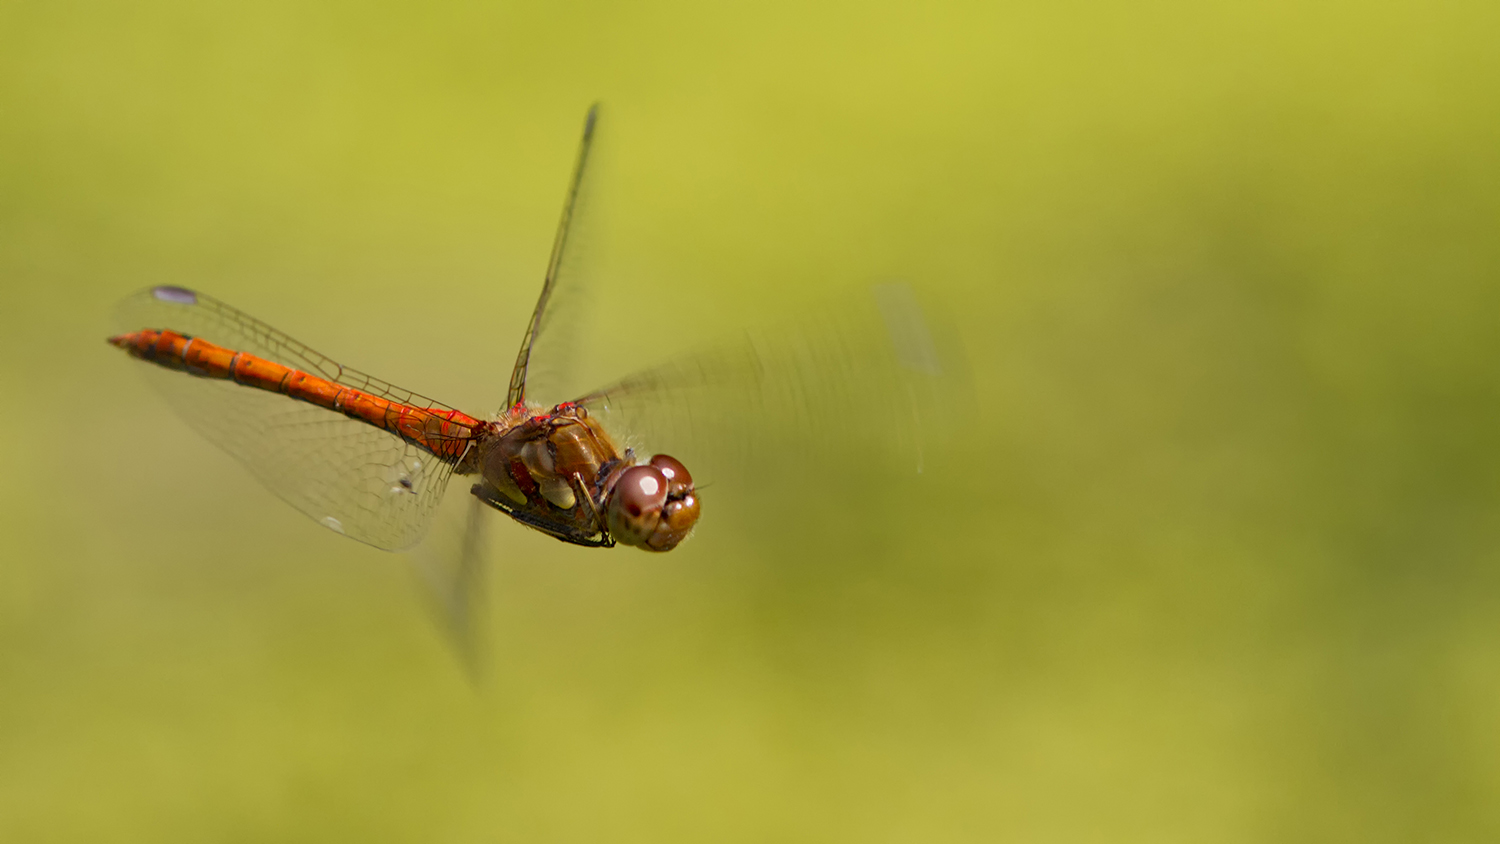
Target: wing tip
column 906, row 327
column 590, row 120
column 174, row 295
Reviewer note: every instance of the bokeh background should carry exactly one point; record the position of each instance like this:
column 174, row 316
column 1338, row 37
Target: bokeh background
column 1220, row 562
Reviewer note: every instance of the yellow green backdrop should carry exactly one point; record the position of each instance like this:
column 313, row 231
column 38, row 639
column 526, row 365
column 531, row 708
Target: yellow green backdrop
column 1219, row 564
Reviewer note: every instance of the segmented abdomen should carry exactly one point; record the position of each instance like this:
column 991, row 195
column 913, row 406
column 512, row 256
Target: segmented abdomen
column 445, row 433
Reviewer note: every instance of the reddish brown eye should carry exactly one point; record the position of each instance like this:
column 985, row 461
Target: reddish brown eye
column 635, row 504
column 653, row 506
column 680, row 512
column 641, row 489
column 679, row 482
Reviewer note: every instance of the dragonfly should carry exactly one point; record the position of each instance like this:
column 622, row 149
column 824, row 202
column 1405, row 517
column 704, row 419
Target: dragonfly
column 371, row 460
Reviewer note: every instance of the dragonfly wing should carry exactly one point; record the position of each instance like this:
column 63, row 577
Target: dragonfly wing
column 864, row 379
column 453, row 568
column 344, row 474
column 547, row 366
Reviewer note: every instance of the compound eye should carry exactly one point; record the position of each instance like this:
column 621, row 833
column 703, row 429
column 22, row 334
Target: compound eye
column 679, row 482
column 635, row 504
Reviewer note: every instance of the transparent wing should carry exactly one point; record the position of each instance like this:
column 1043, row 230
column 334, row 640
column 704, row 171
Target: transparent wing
column 452, row 567
column 346, row 475
column 865, row 379
column 546, row 364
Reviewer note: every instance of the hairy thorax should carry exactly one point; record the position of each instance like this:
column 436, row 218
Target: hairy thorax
column 552, row 470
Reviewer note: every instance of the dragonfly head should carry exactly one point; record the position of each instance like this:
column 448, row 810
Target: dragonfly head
column 653, row 506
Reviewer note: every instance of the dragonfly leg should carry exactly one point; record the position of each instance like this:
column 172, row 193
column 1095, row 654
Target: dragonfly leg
column 598, row 517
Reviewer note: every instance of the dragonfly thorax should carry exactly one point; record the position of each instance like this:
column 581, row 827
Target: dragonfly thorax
column 560, row 472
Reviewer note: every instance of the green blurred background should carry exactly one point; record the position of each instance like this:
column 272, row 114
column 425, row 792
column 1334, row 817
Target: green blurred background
column 1221, row 564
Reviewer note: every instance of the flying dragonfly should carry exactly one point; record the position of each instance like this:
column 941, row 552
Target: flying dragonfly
column 371, row 461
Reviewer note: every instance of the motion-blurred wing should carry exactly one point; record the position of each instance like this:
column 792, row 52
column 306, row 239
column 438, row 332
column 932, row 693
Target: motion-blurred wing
column 863, row 380
column 346, row 475
column 452, row 566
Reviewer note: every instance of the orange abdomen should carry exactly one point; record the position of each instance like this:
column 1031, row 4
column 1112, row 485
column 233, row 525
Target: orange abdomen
column 445, row 433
